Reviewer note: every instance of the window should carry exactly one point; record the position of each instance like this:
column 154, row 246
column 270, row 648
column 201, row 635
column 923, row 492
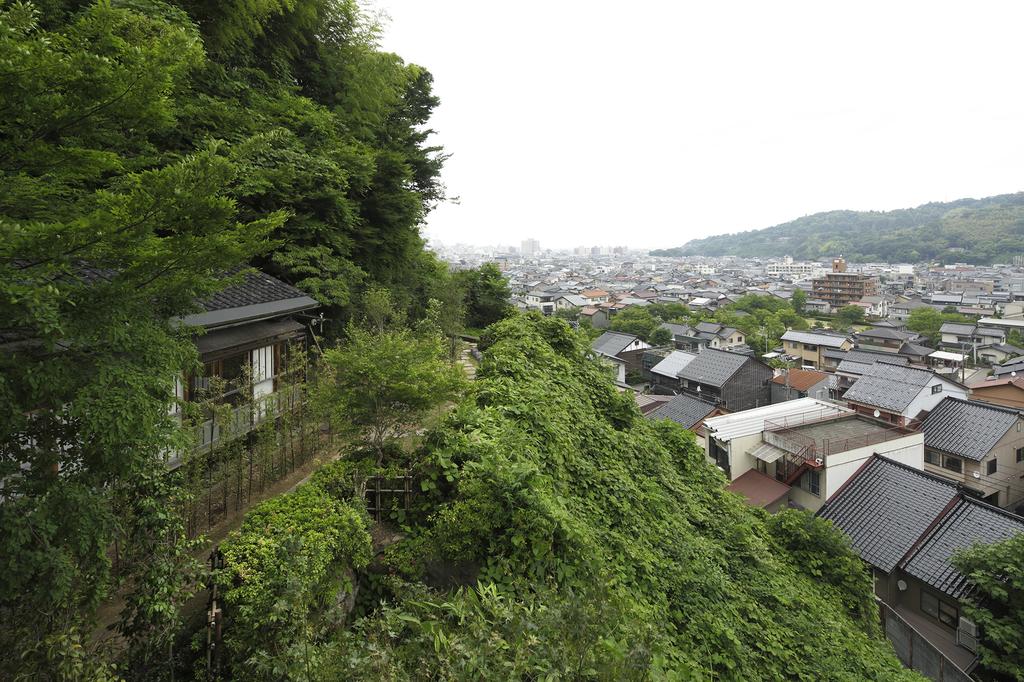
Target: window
column 1020, row 455
column 937, row 388
column 953, row 464
column 932, row 458
column 991, row 467
column 811, row 482
column 939, row 609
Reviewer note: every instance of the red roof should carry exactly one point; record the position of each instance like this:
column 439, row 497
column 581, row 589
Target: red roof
column 760, row 490
column 800, row 379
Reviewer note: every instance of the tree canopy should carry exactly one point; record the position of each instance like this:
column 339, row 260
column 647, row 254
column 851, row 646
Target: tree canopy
column 148, row 148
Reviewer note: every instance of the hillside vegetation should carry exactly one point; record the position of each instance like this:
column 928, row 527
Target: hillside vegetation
column 564, row 536
column 968, row 230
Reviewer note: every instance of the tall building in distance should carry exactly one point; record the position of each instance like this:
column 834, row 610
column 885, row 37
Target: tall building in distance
column 840, row 287
column 529, row 247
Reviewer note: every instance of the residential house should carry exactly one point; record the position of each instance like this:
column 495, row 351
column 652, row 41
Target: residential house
column 596, row 296
column 898, row 393
column 731, row 380
column 816, row 306
column 731, row 439
column 809, row 346
column 544, row 301
column 999, row 353
column 793, row 384
column 1007, row 390
column 687, row 411
column 251, row 329
column 875, row 306
column 719, row 336
column 907, row 524
column 684, row 337
column 978, row 445
column 883, row 339
column 598, row 317
column 970, row 338
column 623, row 347
column 807, row 444
column 571, row 302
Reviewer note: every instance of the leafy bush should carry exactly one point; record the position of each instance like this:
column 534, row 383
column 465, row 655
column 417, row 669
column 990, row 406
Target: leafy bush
column 288, row 568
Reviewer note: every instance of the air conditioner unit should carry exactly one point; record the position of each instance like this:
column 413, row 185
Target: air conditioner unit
column 967, row 634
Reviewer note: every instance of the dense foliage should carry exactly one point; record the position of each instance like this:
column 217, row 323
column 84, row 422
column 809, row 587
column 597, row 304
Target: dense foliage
column 146, row 148
column 289, row 571
column 927, row 322
column 997, row 605
column 378, row 383
column 572, row 538
column 968, row 230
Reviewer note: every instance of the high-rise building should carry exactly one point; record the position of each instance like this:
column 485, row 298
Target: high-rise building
column 840, row 287
column 530, row 247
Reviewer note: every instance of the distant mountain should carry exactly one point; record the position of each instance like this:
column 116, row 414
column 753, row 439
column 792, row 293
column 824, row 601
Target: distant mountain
column 968, row 230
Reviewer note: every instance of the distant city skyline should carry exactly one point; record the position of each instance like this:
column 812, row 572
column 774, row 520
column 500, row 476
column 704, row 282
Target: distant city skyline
column 585, row 123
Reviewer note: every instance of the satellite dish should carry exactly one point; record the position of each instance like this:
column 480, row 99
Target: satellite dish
column 877, row 414
column 977, row 474
column 901, row 585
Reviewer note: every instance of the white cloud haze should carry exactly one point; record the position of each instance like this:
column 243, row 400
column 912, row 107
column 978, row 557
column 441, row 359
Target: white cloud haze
column 651, row 123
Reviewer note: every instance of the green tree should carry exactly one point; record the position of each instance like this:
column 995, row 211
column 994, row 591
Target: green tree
column 798, row 301
column 661, row 336
column 997, row 570
column 850, row 315
column 104, row 243
column 635, row 320
column 487, row 295
column 377, row 384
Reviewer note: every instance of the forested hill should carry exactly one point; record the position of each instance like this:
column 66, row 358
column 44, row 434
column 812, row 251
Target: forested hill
column 967, row 230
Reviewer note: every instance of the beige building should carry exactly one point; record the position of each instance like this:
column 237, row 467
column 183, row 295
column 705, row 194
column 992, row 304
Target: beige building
column 978, row 445
column 809, row 347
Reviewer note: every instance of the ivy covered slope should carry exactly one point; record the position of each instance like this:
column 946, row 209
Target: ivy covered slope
column 967, row 230
column 593, row 543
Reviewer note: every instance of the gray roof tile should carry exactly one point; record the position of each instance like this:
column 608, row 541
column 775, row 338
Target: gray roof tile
column 886, row 507
column 683, row 409
column 969, row 522
column 888, row 386
column 967, row 428
column 713, row 367
column 612, row 343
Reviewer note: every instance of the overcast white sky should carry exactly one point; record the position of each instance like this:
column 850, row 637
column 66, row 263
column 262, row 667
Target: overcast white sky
column 652, row 123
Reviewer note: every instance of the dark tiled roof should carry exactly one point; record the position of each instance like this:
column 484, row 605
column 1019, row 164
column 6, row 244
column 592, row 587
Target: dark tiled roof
column 679, row 329
column 683, row 409
column 967, row 428
column 969, row 522
column 871, row 357
column 915, row 349
column 256, row 288
column 888, row 386
column 885, row 333
column 713, row 367
column 885, row 507
column 612, row 343
column 958, row 329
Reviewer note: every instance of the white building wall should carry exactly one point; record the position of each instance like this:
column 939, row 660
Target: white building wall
column 926, row 400
column 841, row 466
